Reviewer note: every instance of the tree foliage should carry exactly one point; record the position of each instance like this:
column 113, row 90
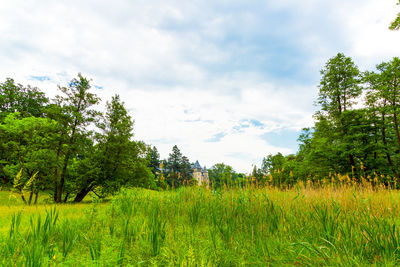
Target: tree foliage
column 67, row 145
column 27, row 101
column 221, row 174
column 395, row 25
column 178, row 169
column 358, row 140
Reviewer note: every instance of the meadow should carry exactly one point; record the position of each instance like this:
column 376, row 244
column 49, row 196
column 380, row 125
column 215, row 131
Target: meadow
column 331, row 226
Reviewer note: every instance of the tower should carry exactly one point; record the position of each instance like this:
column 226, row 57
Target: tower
column 200, row 174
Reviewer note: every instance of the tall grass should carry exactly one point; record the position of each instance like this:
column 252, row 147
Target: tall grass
column 334, row 226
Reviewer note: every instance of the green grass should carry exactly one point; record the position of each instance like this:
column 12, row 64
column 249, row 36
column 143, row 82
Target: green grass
column 198, row 227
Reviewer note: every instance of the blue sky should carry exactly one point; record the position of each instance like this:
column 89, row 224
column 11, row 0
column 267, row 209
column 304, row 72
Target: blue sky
column 226, row 81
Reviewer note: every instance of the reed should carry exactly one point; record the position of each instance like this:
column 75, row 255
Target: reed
column 343, row 225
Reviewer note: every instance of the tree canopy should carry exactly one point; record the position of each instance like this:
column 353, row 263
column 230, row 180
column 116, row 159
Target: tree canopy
column 72, row 148
column 395, row 25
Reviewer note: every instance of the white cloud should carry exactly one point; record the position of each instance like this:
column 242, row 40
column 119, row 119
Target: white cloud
column 191, row 70
column 189, row 118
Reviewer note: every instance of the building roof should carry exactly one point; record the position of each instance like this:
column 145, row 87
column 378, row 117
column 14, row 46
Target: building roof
column 197, row 165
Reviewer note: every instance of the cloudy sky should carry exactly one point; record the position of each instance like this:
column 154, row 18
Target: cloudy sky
column 226, row 80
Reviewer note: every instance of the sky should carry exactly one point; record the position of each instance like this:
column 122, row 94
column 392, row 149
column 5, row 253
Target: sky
column 226, row 81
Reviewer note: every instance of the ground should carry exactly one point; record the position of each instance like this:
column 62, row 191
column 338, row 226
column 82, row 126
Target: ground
column 199, row 227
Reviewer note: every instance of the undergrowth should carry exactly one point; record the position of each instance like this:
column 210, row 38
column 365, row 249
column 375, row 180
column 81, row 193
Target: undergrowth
column 334, row 226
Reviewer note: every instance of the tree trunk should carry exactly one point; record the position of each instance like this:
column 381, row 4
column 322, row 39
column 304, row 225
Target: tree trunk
column 55, row 185
column 376, row 140
column 30, row 196
column 351, row 157
column 67, row 156
column 62, row 179
column 66, row 197
column 56, row 171
column 64, row 171
column 36, row 197
column 393, row 103
column 82, row 194
column 389, row 159
column 396, row 126
column 23, row 198
column 5, row 180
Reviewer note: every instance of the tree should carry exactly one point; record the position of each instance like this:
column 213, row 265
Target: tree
column 27, row 101
column 339, row 86
column 383, row 100
column 257, row 175
column 174, row 164
column 115, row 141
column 29, row 145
column 45, row 144
column 338, row 90
column 273, row 162
column 72, row 111
column 221, row 174
column 389, row 90
column 277, row 169
column 395, row 25
column 154, row 161
column 115, row 160
column 343, row 136
column 186, row 171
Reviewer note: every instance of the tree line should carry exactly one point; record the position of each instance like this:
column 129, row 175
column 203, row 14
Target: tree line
column 356, row 130
column 178, row 171
column 65, row 147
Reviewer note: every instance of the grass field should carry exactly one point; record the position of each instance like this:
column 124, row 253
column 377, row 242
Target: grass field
column 198, row 227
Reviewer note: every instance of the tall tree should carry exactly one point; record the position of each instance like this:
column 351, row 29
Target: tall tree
column 74, row 115
column 116, row 160
column 390, row 90
column 29, row 147
column 383, row 100
column 338, row 91
column 27, row 101
column 221, row 174
column 186, row 171
column 174, row 164
column 154, row 160
column 109, row 155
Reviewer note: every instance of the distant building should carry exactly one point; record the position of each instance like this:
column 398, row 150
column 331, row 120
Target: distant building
column 200, row 174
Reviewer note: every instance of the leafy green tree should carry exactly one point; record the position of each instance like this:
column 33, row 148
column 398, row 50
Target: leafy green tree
column 344, row 137
column 27, row 101
column 338, row 91
column 395, row 25
column 278, row 170
column 174, row 164
column 339, row 86
column 154, row 161
column 257, row 175
column 117, row 131
column 389, row 91
column 318, row 151
column 73, row 112
column 273, row 162
column 186, row 171
column 29, row 144
column 221, row 174
column 177, row 169
column 383, row 100
column 52, row 146
column 115, row 160
column 141, row 175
